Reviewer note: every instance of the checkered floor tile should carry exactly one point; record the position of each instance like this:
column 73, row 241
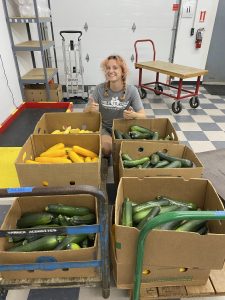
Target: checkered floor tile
column 202, row 129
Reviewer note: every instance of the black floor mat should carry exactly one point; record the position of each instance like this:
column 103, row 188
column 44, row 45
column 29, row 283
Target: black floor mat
column 215, row 89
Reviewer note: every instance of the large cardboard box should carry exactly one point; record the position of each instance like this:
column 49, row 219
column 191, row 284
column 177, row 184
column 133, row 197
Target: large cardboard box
column 38, row 93
column 52, row 121
column 58, row 174
column 37, row 204
column 171, row 249
column 140, row 149
column 162, row 125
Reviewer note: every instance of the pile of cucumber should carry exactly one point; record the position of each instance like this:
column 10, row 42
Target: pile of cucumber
column 158, row 159
column 55, row 215
column 138, row 214
column 139, row 132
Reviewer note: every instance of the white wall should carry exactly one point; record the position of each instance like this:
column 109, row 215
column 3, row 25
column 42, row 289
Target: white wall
column 7, row 105
column 185, row 52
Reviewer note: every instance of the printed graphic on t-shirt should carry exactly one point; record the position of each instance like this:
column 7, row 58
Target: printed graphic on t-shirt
column 114, row 103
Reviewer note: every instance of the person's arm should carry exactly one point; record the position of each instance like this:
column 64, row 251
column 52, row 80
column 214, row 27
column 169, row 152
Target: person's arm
column 92, row 106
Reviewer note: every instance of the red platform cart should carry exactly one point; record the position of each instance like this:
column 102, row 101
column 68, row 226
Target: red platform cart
column 172, row 70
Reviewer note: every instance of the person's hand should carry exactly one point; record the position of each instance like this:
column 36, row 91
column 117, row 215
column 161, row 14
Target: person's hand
column 92, row 105
column 129, row 113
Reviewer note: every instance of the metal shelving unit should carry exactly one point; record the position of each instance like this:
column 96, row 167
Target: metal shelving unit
column 43, row 44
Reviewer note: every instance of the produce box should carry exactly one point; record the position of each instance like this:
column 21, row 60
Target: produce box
column 38, row 93
column 50, row 122
column 140, row 149
column 167, row 248
column 162, row 125
column 22, row 205
column 58, row 174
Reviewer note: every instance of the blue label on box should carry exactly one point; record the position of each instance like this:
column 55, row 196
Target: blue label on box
column 20, row 190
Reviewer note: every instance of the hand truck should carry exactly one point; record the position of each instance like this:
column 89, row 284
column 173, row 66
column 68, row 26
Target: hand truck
column 155, row 222
column 172, row 70
column 102, row 228
column 73, row 67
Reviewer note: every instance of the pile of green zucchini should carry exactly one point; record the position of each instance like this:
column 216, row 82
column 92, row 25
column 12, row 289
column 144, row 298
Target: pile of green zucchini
column 139, row 132
column 55, row 215
column 138, row 214
column 158, row 159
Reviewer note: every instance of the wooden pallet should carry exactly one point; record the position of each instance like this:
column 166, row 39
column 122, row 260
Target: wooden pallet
column 215, row 286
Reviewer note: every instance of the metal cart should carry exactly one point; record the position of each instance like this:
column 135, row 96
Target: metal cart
column 102, row 264
column 172, row 70
column 73, row 67
column 155, row 222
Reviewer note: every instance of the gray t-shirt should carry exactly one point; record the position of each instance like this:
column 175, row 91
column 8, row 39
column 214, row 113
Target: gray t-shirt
column 112, row 107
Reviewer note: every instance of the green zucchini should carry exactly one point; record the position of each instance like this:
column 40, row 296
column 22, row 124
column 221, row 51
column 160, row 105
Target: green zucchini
column 73, row 246
column 185, row 163
column 146, row 164
column 168, row 208
column 63, row 220
column 155, row 136
column 67, row 210
column 203, row 230
column 173, row 224
column 127, row 213
column 150, row 204
column 168, row 138
column 80, row 220
column 141, row 129
column 126, row 136
column 125, row 156
column 190, row 205
column 70, row 239
column 161, row 164
column 34, row 219
column 139, row 216
column 173, row 164
column 192, row 225
column 139, row 135
column 118, row 134
column 154, row 159
column 152, row 213
column 44, row 243
column 135, row 162
column 84, row 243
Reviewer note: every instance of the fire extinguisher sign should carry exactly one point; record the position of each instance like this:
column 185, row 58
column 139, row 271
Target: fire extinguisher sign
column 202, row 16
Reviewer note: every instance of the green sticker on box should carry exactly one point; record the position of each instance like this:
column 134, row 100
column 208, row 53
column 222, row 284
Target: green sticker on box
column 118, row 245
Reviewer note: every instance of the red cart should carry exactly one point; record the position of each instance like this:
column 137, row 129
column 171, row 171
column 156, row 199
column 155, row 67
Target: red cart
column 172, row 70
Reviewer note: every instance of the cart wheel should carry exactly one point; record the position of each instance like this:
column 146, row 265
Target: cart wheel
column 105, row 293
column 158, row 89
column 3, row 293
column 176, row 107
column 142, row 93
column 194, row 102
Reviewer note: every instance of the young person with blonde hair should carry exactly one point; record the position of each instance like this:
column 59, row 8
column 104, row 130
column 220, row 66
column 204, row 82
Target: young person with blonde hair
column 114, row 99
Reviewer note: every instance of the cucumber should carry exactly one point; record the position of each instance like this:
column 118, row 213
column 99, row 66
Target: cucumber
column 118, row 134
column 173, row 164
column 127, row 213
column 80, row 220
column 141, row 129
column 150, row 204
column 125, row 156
column 161, row 164
column 185, row 163
column 84, row 243
column 139, row 135
column 155, row 136
column 146, row 164
column 135, row 162
column 154, row 159
column 67, row 210
column 190, row 205
column 168, row 208
column 152, row 213
column 203, row 230
column 168, row 138
column 44, row 243
column 139, row 216
column 70, row 239
column 192, row 225
column 34, row 219
column 63, row 220
column 126, row 136
column 173, row 224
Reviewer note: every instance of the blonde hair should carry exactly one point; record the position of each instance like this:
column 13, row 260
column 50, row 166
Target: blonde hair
column 121, row 62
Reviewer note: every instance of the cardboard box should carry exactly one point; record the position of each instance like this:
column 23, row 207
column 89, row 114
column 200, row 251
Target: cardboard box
column 37, row 204
column 38, row 93
column 171, row 249
column 52, row 121
column 140, row 149
column 162, row 125
column 58, row 174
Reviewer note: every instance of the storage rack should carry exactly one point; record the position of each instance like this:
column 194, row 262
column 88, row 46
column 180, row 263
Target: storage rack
column 43, row 44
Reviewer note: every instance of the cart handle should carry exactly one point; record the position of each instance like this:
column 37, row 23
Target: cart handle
column 70, row 31
column 141, row 41
column 161, row 219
